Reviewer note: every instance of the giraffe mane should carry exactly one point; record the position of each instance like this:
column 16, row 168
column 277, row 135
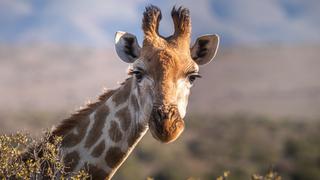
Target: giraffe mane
column 71, row 122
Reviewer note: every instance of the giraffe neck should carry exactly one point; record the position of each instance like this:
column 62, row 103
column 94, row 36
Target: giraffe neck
column 101, row 140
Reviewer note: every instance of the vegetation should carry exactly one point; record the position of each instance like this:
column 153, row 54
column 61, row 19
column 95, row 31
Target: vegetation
column 47, row 165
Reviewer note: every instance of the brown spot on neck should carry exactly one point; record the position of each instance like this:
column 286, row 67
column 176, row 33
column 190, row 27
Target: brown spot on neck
column 114, row 132
column 70, row 161
column 98, row 150
column 97, row 173
column 114, row 157
column 72, row 139
column 124, row 117
column 99, row 121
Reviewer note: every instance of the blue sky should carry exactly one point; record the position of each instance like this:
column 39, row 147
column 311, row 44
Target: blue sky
column 94, row 22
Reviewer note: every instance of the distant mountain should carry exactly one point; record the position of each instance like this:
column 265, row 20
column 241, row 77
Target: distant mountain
column 269, row 80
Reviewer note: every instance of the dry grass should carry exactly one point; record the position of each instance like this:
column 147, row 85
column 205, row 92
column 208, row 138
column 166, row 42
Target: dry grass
column 43, row 164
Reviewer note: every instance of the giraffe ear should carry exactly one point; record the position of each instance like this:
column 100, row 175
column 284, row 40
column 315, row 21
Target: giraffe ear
column 127, row 46
column 205, row 48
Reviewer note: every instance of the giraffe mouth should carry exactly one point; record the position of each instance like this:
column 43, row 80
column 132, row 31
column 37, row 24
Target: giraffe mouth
column 166, row 125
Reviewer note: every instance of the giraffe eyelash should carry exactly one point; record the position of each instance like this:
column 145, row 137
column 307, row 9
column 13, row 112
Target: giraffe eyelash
column 195, row 74
column 135, row 71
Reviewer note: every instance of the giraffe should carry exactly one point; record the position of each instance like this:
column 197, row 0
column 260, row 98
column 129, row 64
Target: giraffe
column 155, row 95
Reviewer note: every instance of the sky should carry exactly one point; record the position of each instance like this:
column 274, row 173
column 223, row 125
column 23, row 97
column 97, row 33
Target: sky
column 94, row 22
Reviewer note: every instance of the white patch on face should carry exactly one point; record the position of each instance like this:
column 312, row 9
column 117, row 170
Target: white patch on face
column 183, row 92
column 145, row 97
column 137, row 63
column 145, row 93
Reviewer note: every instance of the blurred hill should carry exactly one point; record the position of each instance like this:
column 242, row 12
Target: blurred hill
column 275, row 81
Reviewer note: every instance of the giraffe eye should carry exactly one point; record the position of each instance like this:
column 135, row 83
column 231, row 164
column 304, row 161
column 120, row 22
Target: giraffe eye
column 193, row 77
column 138, row 75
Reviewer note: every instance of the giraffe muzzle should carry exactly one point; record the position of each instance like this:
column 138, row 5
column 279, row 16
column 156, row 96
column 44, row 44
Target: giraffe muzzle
column 165, row 123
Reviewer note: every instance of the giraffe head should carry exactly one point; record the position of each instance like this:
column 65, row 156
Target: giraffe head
column 165, row 68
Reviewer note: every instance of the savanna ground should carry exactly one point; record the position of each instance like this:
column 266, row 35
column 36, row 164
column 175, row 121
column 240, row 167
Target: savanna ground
column 277, row 90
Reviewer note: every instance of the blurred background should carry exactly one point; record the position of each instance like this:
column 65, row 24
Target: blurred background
column 257, row 106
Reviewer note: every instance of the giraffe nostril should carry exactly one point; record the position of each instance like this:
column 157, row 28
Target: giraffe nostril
column 159, row 113
column 171, row 113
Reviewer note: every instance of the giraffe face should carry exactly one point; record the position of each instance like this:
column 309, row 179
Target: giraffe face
column 164, row 69
column 165, row 76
